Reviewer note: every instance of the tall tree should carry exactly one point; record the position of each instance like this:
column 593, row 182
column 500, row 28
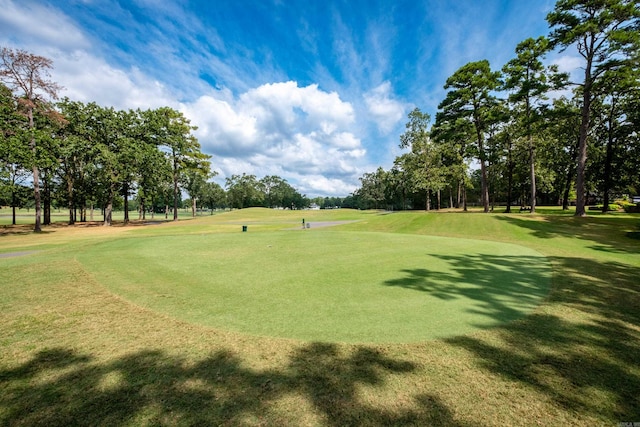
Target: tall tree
column 563, row 132
column 28, row 75
column 471, row 98
column 154, row 174
column 424, row 162
column 194, row 182
column 275, row 190
column 14, row 154
column 528, row 81
column 172, row 130
column 77, row 155
column 213, row 196
column 455, row 135
column 373, row 188
column 614, row 128
column 243, row 191
column 104, row 131
column 603, row 31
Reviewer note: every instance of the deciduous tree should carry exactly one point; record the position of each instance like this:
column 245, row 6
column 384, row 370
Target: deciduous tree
column 27, row 75
column 173, row 131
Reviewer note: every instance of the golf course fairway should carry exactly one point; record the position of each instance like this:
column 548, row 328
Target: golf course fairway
column 331, row 286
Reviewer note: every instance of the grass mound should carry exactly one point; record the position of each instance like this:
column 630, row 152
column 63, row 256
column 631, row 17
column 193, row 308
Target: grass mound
column 328, row 286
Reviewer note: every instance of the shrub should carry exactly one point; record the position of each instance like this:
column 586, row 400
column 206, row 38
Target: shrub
column 612, row 207
column 632, row 208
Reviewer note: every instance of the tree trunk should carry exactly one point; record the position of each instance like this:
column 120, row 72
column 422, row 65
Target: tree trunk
column 107, row 213
column 483, row 170
column 14, row 202
column 193, row 207
column 70, row 200
column 532, row 171
column 175, row 187
column 485, row 186
column 567, row 189
column 125, row 190
column 510, row 167
column 581, row 161
column 46, row 220
column 108, row 210
column 36, row 175
column 464, row 198
column 608, row 160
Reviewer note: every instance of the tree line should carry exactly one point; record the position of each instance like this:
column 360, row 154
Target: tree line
column 83, row 156
column 528, row 145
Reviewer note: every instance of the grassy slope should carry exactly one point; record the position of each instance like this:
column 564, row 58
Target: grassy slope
column 71, row 352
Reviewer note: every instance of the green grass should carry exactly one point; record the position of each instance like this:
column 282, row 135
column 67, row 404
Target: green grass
column 77, row 348
column 328, row 286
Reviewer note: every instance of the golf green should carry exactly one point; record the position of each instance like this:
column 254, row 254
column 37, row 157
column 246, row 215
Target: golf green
column 322, row 285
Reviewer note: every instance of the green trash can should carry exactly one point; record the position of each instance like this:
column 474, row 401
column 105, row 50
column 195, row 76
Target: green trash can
column 244, row 228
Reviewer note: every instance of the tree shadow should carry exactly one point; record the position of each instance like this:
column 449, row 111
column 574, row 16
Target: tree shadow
column 62, row 387
column 605, row 234
column 578, row 359
column 499, row 288
column 9, row 230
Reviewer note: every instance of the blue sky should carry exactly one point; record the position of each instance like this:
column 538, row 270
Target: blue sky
column 315, row 91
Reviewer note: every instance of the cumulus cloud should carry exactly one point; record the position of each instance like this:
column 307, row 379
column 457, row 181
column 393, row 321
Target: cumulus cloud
column 299, row 133
column 90, row 79
column 304, row 134
column 387, row 112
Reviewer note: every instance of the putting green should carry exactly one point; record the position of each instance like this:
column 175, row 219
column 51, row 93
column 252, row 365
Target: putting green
column 326, row 285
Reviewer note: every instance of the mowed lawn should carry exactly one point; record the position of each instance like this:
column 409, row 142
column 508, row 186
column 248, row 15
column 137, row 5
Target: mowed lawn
column 409, row 318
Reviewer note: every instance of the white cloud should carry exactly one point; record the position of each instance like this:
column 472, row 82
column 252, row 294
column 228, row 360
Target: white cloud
column 324, row 185
column 90, row 79
column 568, row 64
column 304, row 134
column 46, row 31
column 281, row 129
column 386, row 111
column 38, row 25
column 572, row 65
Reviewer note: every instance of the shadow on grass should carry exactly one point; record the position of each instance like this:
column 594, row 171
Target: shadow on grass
column 608, row 234
column 61, row 387
column 500, row 288
column 19, row 230
column 585, row 356
column 583, row 360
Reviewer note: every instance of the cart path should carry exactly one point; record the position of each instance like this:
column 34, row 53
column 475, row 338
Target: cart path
column 319, row 224
column 14, row 254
